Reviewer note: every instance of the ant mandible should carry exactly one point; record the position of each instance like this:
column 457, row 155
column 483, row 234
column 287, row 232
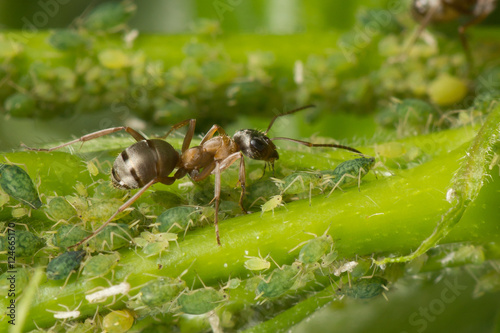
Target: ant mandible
column 150, row 161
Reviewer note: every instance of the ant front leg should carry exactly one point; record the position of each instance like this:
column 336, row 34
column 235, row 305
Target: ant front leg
column 121, row 209
column 137, row 136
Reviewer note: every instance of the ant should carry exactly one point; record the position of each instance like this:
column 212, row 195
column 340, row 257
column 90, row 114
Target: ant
column 432, row 11
column 150, row 161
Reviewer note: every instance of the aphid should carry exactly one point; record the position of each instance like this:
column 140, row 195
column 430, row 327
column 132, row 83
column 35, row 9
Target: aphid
column 59, row 209
column 102, row 295
column 19, row 212
column 349, row 172
column 256, row 263
column 18, row 184
column 299, row 182
column 100, row 265
column 161, row 291
column 200, row 301
column 67, row 235
column 21, row 243
column 178, row 219
column 109, row 16
column 92, row 168
column 61, row 266
column 438, row 11
column 279, row 281
column 152, row 161
column 68, row 314
column 315, row 249
column 153, row 244
column 233, row 283
column 111, row 238
column 118, row 321
column 4, row 198
column 271, row 204
column 347, row 267
column 366, row 288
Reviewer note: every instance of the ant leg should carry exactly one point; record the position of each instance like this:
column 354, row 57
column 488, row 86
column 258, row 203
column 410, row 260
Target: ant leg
column 211, row 132
column 189, row 134
column 137, row 136
column 226, row 163
column 121, row 209
column 286, row 113
column 331, row 145
column 217, row 200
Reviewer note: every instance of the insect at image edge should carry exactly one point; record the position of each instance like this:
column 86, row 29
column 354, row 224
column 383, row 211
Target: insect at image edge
column 151, row 161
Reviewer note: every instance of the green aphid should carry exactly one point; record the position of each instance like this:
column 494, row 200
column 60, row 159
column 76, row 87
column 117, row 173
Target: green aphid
column 161, row 291
column 15, row 279
column 300, row 182
column 166, row 199
column 67, row 40
column 112, row 237
column 61, row 266
column 315, row 248
column 20, row 105
column 279, row 281
column 4, row 198
column 349, row 172
column 329, row 258
column 200, row 301
column 178, row 219
column 68, row 235
column 59, row 209
column 22, row 242
column 155, row 248
column 110, row 16
column 117, row 321
column 18, row 184
column 362, row 268
column 365, row 288
column 100, row 264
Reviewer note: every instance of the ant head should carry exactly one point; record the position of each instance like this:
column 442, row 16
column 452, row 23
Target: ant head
column 256, row 145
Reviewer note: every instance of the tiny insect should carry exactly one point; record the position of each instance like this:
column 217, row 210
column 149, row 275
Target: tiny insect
column 279, row 281
column 68, row 314
column 366, row 288
column 18, row 184
column 117, row 321
column 315, row 249
column 348, row 172
column 438, row 11
column 60, row 267
column 102, row 295
column 26, row 243
column 256, row 263
column 201, row 301
column 152, row 161
column 100, row 265
column 59, row 209
column 274, row 202
column 161, row 291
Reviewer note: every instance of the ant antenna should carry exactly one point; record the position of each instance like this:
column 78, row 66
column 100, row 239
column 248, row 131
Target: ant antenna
column 331, row 145
column 287, row 113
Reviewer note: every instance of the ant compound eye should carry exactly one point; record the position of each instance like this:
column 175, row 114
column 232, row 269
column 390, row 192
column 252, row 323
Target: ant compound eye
column 258, row 144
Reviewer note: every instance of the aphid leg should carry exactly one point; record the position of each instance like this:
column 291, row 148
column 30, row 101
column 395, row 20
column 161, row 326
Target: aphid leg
column 226, row 163
column 136, row 135
column 330, row 145
column 121, row 209
column 340, row 181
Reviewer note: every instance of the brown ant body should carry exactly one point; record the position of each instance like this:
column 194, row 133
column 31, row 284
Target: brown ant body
column 438, row 11
column 150, row 161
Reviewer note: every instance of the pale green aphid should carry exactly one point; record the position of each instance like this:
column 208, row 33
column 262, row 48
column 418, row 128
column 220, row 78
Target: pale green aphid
column 271, row 204
column 92, row 168
column 329, row 258
column 60, row 267
column 100, row 264
column 19, row 212
column 200, row 301
column 348, row 173
column 179, row 219
column 233, row 283
column 153, row 244
column 59, row 209
column 4, row 198
column 155, row 248
column 18, row 184
column 365, row 288
column 68, row 235
column 256, row 264
column 315, row 248
column 112, row 237
column 279, row 281
column 299, row 182
column 161, row 291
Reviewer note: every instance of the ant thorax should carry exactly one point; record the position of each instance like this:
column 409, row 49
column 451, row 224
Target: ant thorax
column 256, row 145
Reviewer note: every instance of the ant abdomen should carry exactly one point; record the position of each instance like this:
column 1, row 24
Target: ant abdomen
column 142, row 162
